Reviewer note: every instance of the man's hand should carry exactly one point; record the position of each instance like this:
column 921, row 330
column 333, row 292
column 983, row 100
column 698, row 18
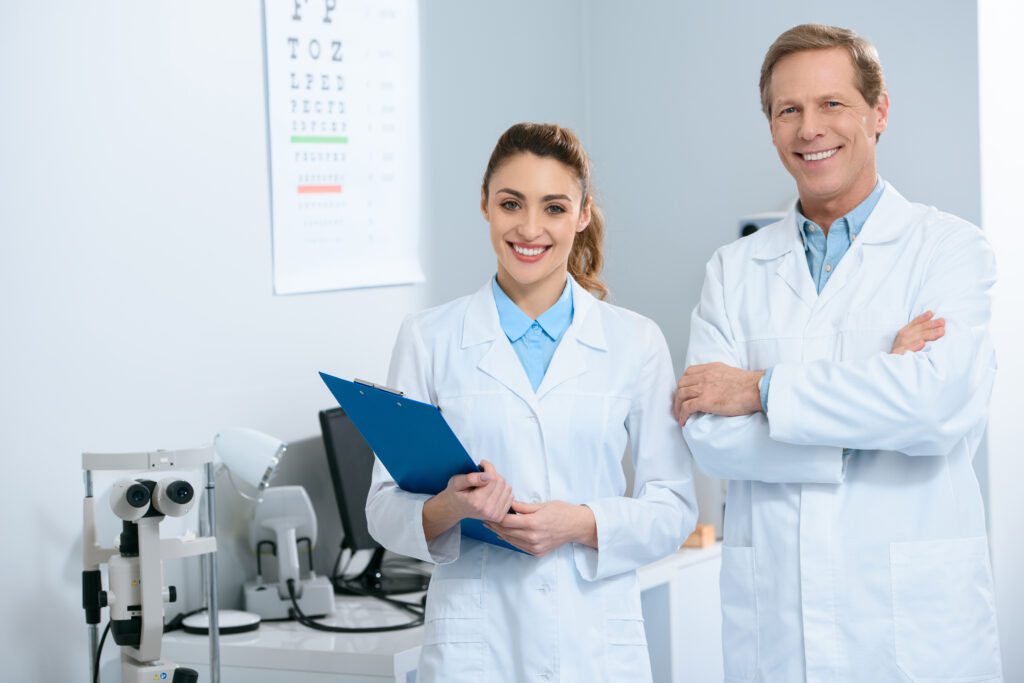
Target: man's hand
column 913, row 335
column 719, row 389
column 478, row 495
column 541, row 528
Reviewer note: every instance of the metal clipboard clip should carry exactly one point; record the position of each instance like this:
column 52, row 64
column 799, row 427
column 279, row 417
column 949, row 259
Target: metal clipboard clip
column 378, row 386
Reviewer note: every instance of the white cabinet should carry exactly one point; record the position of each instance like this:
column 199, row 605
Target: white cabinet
column 682, row 616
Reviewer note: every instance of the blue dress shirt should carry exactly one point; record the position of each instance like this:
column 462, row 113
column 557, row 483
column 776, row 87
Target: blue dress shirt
column 824, row 253
column 534, row 341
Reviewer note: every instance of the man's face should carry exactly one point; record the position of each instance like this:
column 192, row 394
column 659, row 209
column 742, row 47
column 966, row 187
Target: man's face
column 823, row 129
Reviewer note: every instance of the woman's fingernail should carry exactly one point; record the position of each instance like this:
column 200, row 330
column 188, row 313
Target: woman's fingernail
column 485, row 477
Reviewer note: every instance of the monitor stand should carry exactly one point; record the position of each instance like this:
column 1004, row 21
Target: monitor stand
column 373, row 579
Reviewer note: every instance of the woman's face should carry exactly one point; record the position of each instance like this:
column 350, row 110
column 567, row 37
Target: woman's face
column 534, row 207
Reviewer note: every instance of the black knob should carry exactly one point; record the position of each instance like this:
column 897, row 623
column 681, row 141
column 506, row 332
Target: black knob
column 183, row 675
column 173, row 594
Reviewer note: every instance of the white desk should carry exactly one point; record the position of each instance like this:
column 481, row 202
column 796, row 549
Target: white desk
column 681, row 614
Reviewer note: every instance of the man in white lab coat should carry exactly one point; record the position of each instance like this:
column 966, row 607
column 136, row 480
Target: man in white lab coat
column 855, row 545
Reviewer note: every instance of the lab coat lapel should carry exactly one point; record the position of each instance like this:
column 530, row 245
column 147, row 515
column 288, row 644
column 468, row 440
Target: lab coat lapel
column 885, row 224
column 793, row 269
column 847, row 268
column 784, row 245
column 500, row 360
column 586, row 330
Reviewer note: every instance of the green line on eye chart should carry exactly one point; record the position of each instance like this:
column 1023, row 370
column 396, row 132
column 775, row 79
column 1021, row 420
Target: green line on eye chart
column 320, row 139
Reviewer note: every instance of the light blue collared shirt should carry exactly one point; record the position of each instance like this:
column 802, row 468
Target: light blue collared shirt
column 534, row 341
column 824, row 253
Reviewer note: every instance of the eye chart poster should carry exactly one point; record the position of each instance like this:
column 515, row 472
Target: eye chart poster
column 343, row 133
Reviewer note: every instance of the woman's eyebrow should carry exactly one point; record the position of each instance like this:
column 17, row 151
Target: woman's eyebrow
column 514, row 193
column 550, row 197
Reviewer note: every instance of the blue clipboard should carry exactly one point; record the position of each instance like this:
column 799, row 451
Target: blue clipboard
column 412, row 440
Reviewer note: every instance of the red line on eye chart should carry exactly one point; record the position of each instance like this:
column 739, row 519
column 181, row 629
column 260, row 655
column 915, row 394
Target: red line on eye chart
column 319, row 189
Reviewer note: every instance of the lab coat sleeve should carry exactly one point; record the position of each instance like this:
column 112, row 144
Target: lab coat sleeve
column 632, row 532
column 740, row 448
column 917, row 403
column 395, row 517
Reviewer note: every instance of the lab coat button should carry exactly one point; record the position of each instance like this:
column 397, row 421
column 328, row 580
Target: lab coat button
column 534, row 498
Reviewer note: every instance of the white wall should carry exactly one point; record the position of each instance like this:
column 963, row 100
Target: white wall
column 485, row 68
column 1002, row 175
column 135, row 277
column 135, row 267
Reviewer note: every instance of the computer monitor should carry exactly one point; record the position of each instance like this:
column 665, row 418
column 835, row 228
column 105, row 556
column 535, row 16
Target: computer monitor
column 350, row 461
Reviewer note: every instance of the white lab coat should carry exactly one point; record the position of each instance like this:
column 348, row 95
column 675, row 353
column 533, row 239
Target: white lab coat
column 874, row 566
column 573, row 615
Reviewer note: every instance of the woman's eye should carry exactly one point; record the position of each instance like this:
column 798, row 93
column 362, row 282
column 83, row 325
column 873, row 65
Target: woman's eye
column 510, row 205
column 555, row 208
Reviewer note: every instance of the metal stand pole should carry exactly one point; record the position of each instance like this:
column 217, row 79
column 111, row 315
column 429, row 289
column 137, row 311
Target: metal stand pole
column 211, row 568
column 94, row 641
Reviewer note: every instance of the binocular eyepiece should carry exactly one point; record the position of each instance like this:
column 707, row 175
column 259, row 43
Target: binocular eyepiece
column 133, row 499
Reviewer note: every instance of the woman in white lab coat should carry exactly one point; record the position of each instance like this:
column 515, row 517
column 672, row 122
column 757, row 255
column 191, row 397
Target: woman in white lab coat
column 545, row 385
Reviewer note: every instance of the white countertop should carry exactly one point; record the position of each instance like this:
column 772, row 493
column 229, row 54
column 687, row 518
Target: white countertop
column 290, row 646
column 664, row 570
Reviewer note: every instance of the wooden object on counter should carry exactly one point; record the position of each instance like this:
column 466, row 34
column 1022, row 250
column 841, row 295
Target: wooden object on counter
column 702, row 537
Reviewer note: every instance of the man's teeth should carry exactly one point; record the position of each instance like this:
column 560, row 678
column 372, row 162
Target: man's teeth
column 818, row 156
column 528, row 252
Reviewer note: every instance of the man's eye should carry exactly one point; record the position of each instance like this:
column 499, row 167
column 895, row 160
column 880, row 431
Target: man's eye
column 833, row 104
column 509, row 205
column 787, row 110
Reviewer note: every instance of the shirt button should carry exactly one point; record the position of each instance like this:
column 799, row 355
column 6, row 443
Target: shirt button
column 853, row 236
column 828, row 267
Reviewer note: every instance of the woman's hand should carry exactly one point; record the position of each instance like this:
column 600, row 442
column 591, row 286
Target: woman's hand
column 913, row 335
column 477, row 495
column 540, row 528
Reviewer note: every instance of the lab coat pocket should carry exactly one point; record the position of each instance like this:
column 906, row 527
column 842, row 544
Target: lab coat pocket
column 454, row 599
column 453, row 643
column 626, row 650
column 739, row 614
column 451, row 662
column 944, row 611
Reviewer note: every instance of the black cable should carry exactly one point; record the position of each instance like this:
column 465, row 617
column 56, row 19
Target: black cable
column 175, row 622
column 355, row 588
column 299, row 616
column 99, row 651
